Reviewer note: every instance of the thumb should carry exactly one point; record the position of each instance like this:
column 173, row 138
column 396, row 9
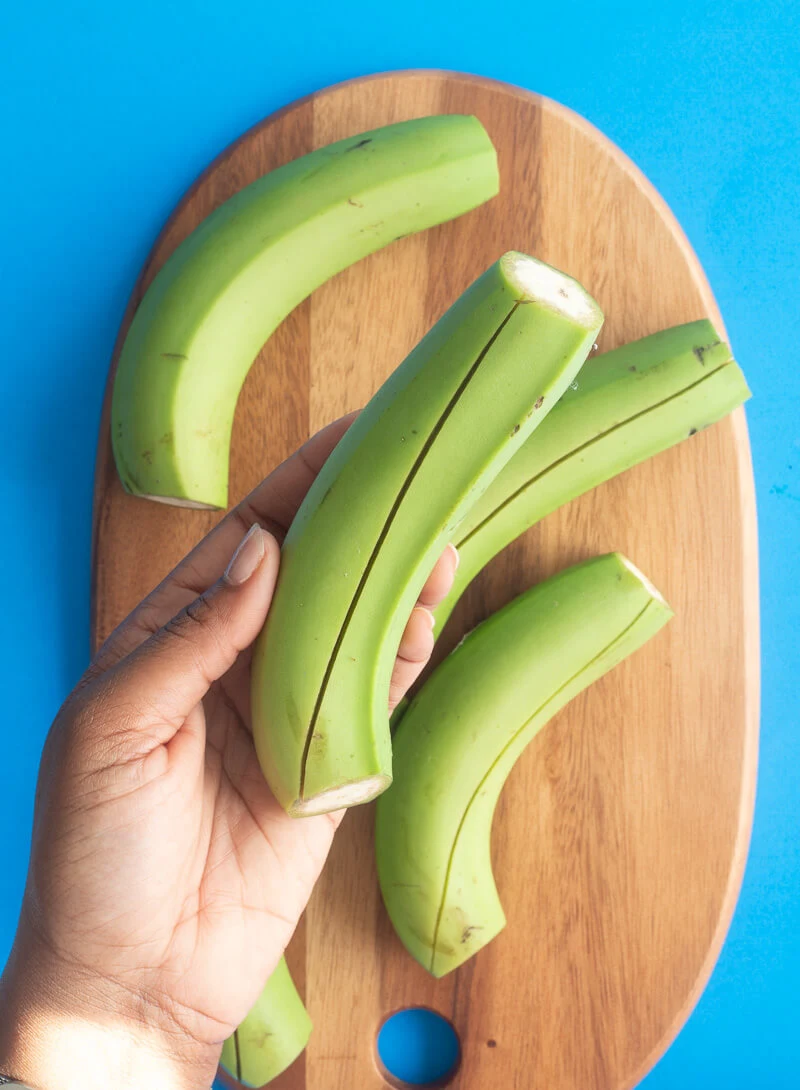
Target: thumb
column 172, row 671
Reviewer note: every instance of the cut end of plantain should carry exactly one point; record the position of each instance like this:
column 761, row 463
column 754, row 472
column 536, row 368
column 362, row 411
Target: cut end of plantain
column 535, row 281
column 175, row 501
column 340, row 798
column 650, row 587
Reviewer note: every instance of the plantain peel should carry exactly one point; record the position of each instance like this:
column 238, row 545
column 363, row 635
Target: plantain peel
column 381, row 511
column 228, row 286
column 462, row 734
column 273, row 1034
column 624, row 407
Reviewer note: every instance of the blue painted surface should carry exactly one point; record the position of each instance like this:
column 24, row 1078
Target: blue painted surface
column 110, row 110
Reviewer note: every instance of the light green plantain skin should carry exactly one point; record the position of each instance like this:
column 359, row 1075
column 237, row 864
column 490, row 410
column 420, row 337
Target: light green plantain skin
column 272, row 1035
column 623, row 408
column 229, row 285
column 462, row 734
column 382, row 510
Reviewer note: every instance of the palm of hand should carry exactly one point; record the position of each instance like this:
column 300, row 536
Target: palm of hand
column 199, row 918
column 176, row 870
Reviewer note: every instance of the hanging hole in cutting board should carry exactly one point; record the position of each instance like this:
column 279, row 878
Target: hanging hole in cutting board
column 416, row 1047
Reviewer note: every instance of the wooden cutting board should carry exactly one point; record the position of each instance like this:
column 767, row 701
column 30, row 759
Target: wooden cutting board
column 620, row 841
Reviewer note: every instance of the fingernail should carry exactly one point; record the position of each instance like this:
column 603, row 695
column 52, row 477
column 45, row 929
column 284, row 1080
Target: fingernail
column 247, row 557
column 429, row 617
column 456, row 556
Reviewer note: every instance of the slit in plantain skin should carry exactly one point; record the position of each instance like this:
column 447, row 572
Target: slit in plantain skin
column 586, row 446
column 238, row 1054
column 586, row 666
column 384, row 532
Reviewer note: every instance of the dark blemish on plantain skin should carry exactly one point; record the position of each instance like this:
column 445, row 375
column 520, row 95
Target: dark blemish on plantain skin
column 174, row 356
column 516, row 429
column 692, row 431
column 148, row 456
column 701, row 349
column 360, row 144
column 355, row 204
column 466, row 934
column 632, row 367
column 538, row 402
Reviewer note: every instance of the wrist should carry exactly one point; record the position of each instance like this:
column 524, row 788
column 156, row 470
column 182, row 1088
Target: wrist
column 62, row 1029
column 63, row 1053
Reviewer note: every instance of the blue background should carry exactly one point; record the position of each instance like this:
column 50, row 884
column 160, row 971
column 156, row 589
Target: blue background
column 110, row 110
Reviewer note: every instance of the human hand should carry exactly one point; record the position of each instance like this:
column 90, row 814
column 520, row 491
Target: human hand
column 165, row 881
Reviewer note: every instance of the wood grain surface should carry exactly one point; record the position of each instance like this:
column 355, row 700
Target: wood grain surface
column 620, row 840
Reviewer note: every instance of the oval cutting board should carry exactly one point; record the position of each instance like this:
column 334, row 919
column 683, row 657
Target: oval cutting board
column 620, row 841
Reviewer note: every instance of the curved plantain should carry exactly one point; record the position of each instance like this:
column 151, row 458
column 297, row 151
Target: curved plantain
column 272, row 1036
column 462, row 734
column 624, row 407
column 382, row 509
column 229, row 285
